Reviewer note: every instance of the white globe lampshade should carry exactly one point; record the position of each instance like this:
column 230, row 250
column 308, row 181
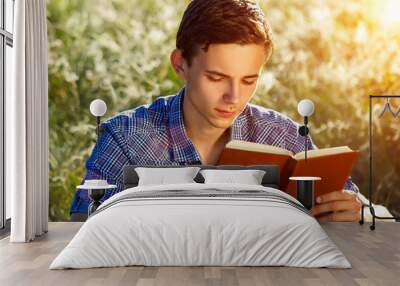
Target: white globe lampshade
column 305, row 107
column 98, row 107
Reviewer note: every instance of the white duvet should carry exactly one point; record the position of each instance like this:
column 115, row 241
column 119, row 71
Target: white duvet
column 201, row 224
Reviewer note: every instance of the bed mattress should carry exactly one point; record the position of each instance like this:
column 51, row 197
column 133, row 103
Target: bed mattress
column 201, row 225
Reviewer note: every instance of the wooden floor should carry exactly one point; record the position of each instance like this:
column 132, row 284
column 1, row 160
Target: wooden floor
column 374, row 255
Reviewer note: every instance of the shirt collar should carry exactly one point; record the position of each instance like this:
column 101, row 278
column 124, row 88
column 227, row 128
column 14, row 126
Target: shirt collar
column 184, row 151
column 237, row 126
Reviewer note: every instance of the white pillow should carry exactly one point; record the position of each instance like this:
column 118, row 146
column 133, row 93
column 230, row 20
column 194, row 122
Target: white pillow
column 162, row 176
column 249, row 177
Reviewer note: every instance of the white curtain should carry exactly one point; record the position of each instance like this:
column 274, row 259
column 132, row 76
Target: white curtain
column 27, row 124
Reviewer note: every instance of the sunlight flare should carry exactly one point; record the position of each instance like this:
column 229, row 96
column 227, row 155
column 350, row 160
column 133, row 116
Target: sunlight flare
column 391, row 13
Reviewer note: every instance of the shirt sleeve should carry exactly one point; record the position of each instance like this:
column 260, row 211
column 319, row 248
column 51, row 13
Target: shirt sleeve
column 295, row 143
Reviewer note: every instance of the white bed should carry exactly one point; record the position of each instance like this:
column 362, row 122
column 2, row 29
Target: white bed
column 201, row 224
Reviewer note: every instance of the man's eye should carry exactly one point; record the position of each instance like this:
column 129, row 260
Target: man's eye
column 246, row 82
column 214, row 78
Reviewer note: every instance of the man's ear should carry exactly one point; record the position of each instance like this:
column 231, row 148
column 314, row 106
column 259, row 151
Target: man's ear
column 178, row 63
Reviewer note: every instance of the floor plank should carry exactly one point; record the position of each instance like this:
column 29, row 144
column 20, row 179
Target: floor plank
column 374, row 255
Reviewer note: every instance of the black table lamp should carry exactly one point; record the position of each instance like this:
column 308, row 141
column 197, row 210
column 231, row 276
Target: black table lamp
column 305, row 184
column 96, row 188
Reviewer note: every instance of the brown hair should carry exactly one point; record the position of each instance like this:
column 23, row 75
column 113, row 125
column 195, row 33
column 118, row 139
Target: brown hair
column 206, row 22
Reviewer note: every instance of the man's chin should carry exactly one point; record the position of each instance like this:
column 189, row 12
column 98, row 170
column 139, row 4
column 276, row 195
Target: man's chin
column 221, row 123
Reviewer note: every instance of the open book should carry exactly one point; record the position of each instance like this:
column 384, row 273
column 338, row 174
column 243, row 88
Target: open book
column 333, row 165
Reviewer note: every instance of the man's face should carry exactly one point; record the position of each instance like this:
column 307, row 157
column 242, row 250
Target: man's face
column 221, row 81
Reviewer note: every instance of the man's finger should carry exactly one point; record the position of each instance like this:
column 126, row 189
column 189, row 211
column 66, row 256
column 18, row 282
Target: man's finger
column 336, row 206
column 336, row 196
column 340, row 216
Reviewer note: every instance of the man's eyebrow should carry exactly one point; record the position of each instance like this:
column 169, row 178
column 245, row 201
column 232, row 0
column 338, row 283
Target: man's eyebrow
column 217, row 73
column 251, row 76
column 225, row 75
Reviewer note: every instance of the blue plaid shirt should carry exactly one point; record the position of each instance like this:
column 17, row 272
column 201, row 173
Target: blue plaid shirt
column 154, row 134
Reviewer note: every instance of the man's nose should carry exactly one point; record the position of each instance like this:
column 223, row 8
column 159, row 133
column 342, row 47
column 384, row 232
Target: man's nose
column 232, row 95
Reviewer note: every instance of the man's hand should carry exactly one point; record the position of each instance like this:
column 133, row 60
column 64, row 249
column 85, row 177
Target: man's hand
column 337, row 206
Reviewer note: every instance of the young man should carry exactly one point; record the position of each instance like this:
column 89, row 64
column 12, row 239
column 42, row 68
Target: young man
column 221, row 47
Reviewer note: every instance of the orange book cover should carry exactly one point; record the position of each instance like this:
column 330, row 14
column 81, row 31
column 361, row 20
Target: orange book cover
column 333, row 165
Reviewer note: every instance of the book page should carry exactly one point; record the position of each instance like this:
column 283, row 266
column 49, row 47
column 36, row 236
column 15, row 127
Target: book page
column 323, row 152
column 256, row 147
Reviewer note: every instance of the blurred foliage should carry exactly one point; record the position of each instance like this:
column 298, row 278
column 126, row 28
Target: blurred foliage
column 334, row 52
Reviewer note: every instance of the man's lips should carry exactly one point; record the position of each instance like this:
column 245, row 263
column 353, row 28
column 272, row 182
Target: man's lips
column 224, row 113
